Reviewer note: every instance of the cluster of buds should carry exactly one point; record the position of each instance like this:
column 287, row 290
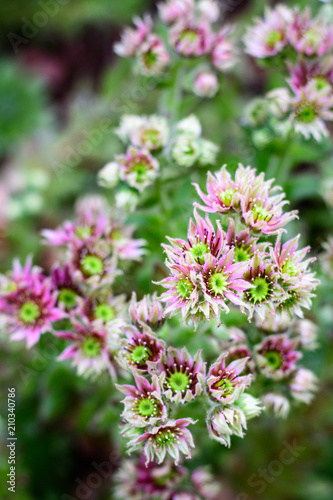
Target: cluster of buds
column 76, row 301
column 137, row 481
column 150, row 144
column 192, row 32
column 214, row 267
column 304, row 46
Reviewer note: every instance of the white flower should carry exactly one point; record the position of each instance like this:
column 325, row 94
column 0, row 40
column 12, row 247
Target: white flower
column 190, row 125
column 109, row 175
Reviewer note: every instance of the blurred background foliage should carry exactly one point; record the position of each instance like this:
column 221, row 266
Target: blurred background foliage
column 56, row 87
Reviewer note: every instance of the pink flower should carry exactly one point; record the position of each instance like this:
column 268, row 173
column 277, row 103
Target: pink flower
column 138, row 168
column 263, row 213
column 202, row 239
column 132, row 38
column 276, row 356
column 148, row 311
column 205, row 84
column 224, row 193
column 223, row 52
column 225, row 421
column 310, row 36
column 224, row 383
column 319, row 72
column 265, row 294
column 310, row 108
column 28, row 303
column 139, row 347
column 191, row 39
column 172, row 438
column 202, row 290
column 269, row 35
column 153, row 58
column 141, row 481
column 70, row 293
column 143, row 402
column 303, row 385
column 181, row 376
column 93, row 346
column 175, row 10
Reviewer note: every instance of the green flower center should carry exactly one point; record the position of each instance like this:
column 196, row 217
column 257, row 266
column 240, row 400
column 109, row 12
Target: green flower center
column 306, row 114
column 260, row 290
column 274, row 359
column 261, row 213
column 241, row 255
column 178, row 381
column 226, row 197
column 91, row 347
column 83, row 231
column 289, row 268
column 218, row 283
column 29, row 312
column 273, row 38
column 165, row 436
column 92, row 265
column 290, row 302
column 147, row 407
column 321, row 82
column 189, row 36
column 67, row 297
column 226, row 386
column 198, row 252
column 150, row 58
column 104, row 312
column 152, row 136
column 312, row 36
column 184, row 288
column 140, row 169
column 139, row 354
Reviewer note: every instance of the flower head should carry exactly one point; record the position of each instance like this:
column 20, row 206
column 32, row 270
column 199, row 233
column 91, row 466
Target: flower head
column 224, row 383
column 277, row 403
column 69, row 290
column 93, row 346
column 243, row 243
column 132, row 38
column 303, row 385
column 172, row 11
column 143, row 402
column 181, row 376
column 171, row 439
column 310, row 36
column 148, row 310
column 269, row 35
column 205, row 484
column 223, row 51
column 202, row 239
column 265, row 293
column 139, row 347
column 138, row 168
column 151, row 132
column 205, row 84
column 139, row 481
column 152, row 56
column 29, row 303
column 310, row 108
column 276, row 356
column 225, row 421
column 190, row 38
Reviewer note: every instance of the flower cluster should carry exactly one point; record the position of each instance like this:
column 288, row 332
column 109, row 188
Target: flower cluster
column 304, row 46
column 138, row 481
column 76, row 301
column 151, row 143
column 192, row 32
column 215, row 268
